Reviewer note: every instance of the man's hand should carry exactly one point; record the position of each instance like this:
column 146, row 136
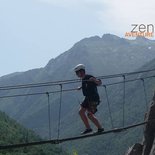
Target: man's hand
column 79, row 88
column 97, row 81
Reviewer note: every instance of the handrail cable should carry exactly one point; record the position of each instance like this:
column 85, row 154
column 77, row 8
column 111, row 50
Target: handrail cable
column 123, row 99
column 131, row 80
column 49, row 115
column 109, row 109
column 60, row 104
column 145, row 94
column 52, row 83
column 71, row 89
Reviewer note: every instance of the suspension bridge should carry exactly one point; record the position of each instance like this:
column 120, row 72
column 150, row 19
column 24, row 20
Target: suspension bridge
column 136, row 77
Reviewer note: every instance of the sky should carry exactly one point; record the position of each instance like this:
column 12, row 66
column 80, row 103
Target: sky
column 34, row 31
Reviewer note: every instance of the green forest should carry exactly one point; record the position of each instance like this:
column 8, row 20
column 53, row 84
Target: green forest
column 13, row 133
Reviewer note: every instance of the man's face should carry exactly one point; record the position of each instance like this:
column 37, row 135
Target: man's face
column 79, row 74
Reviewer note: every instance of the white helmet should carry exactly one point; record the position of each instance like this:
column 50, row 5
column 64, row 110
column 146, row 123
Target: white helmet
column 79, row 67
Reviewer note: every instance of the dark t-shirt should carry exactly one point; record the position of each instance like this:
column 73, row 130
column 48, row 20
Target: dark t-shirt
column 89, row 88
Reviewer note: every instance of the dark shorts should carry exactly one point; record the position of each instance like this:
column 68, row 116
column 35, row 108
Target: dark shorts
column 90, row 104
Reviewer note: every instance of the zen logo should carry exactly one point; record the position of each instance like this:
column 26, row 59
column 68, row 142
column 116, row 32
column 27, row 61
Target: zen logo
column 144, row 30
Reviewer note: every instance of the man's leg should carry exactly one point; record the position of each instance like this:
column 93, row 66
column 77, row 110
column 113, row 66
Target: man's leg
column 94, row 120
column 82, row 113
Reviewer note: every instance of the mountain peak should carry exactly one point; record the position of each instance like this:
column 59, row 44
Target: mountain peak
column 88, row 39
column 109, row 36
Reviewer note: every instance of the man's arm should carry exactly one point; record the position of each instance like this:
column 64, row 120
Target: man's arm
column 97, row 81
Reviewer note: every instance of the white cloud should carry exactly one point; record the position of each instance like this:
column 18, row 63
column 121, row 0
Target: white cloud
column 120, row 14
column 115, row 16
column 74, row 4
column 60, row 3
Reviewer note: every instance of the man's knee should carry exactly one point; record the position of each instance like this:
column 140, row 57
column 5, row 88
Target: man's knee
column 89, row 115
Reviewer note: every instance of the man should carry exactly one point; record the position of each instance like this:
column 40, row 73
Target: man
column 89, row 105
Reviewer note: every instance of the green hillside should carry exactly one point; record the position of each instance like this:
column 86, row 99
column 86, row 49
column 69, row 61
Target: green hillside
column 13, row 133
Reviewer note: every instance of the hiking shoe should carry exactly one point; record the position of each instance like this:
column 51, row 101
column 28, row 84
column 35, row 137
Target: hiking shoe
column 86, row 131
column 100, row 130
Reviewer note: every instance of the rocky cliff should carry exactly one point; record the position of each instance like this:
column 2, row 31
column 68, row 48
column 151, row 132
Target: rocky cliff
column 147, row 147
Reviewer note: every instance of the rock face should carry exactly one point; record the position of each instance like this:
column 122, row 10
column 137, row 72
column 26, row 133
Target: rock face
column 136, row 149
column 153, row 150
column 149, row 131
column 147, row 147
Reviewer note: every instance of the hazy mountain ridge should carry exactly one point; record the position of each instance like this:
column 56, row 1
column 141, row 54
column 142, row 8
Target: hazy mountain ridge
column 105, row 51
